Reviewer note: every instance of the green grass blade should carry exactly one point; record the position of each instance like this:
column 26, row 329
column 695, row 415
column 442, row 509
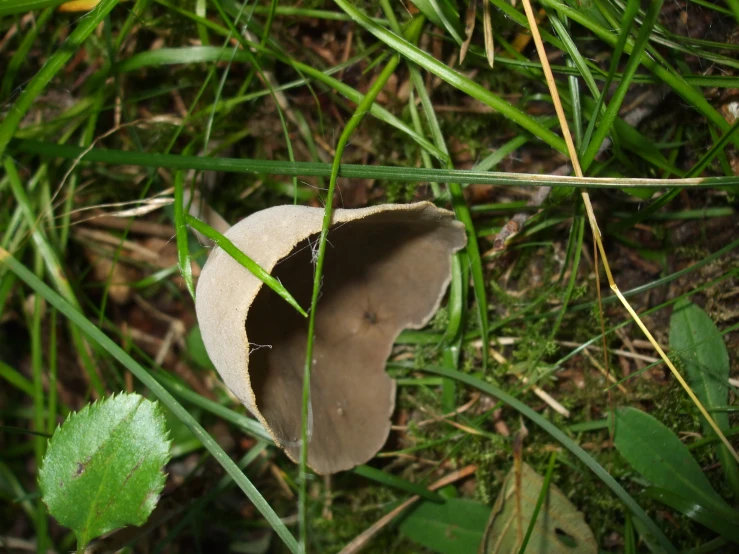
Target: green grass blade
column 15, row 378
column 362, row 109
column 620, row 93
column 183, row 249
column 390, row 480
column 53, row 267
column 666, row 198
column 539, row 502
column 356, row 171
column 197, row 54
column 461, row 210
column 11, row 7
column 632, row 7
column 253, row 267
column 21, row 53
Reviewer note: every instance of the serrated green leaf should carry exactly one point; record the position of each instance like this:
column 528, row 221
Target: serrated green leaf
column 661, row 458
column 453, row 527
column 706, row 362
column 103, row 467
column 559, row 528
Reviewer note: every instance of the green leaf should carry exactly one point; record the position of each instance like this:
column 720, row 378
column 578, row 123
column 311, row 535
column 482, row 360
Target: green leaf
column 453, row 527
column 196, row 348
column 559, row 528
column 103, row 467
column 661, row 458
column 727, row 527
column 706, row 361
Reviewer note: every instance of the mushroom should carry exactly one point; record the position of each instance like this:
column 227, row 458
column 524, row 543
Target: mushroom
column 386, row 269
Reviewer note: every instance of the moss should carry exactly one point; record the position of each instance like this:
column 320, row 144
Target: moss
column 399, row 192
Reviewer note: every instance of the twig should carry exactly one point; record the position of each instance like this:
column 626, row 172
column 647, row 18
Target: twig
column 461, row 409
column 549, row 400
column 607, row 374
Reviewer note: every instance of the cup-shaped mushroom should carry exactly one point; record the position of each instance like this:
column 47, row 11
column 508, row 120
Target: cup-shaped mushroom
column 386, row 269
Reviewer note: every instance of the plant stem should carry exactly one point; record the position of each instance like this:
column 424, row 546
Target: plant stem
column 361, row 111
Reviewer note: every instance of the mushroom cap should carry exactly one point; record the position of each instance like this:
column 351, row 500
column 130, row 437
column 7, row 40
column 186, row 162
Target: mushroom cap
column 386, row 269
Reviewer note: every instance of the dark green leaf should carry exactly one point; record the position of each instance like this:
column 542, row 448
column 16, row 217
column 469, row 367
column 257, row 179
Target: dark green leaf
column 103, row 468
column 454, row 527
column 727, row 527
column 706, row 362
column 660, row 457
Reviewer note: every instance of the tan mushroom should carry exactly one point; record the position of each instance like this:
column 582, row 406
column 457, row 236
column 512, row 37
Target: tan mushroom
column 386, row 269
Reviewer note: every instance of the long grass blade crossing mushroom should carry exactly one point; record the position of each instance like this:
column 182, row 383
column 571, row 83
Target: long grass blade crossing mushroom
column 386, row 269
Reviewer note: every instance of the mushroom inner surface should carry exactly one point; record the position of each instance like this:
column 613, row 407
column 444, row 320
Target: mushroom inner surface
column 382, row 274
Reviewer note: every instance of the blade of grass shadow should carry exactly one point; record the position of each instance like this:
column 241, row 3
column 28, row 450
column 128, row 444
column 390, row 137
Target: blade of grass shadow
column 566, row 442
column 96, row 335
column 53, row 65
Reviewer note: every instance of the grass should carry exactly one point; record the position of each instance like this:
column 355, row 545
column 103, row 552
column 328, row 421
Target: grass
column 262, row 101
